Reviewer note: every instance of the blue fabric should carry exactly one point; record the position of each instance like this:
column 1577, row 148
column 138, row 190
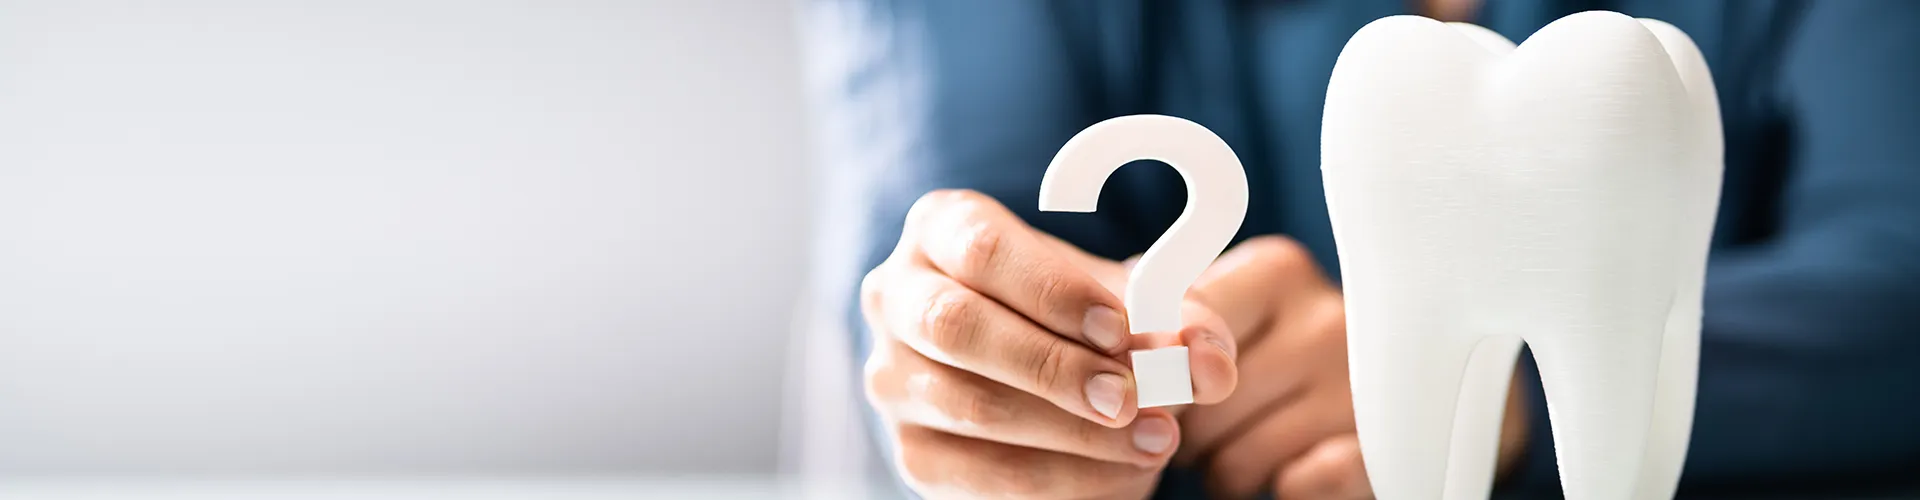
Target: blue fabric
column 1810, row 367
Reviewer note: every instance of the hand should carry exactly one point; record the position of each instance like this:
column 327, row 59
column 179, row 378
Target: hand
column 995, row 366
column 1289, row 427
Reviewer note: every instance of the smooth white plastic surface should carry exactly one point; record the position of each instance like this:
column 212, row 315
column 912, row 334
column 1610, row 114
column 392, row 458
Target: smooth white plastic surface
column 1561, row 193
column 1163, row 376
column 1216, row 205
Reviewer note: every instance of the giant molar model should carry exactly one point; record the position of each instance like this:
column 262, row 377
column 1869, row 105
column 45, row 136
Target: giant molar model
column 1559, row 193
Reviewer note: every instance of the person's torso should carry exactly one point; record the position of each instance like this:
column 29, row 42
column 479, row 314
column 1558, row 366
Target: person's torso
column 1256, row 71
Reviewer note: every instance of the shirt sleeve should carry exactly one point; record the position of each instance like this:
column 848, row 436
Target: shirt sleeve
column 1810, row 356
column 914, row 96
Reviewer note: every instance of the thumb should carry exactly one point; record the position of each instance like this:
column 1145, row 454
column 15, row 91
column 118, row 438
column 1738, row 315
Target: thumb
column 1233, row 302
column 1248, row 285
column 1210, row 351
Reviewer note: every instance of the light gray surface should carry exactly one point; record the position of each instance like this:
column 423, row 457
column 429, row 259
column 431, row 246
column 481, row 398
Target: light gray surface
column 705, row 488
column 396, row 236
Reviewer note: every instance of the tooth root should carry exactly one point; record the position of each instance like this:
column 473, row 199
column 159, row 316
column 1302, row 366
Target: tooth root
column 1409, row 345
column 1561, row 192
column 1599, row 387
column 1672, row 423
column 1405, row 390
column 1671, row 426
column 1477, row 422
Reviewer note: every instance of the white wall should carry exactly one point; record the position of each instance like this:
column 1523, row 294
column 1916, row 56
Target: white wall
column 396, row 237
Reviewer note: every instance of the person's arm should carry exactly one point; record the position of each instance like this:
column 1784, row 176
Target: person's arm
column 916, row 96
column 925, row 95
column 1810, row 357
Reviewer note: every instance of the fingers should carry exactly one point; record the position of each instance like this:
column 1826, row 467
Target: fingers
column 1251, row 284
column 941, row 465
column 995, row 361
column 1308, row 351
column 1331, row 470
column 1111, row 275
column 961, row 328
column 910, row 389
column 1236, row 298
column 1210, row 354
column 976, row 241
column 1247, row 463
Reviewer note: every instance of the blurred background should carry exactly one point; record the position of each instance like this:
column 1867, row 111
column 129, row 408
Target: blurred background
column 398, row 237
column 419, row 249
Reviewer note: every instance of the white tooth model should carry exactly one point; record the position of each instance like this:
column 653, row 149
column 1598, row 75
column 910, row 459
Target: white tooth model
column 1561, row 193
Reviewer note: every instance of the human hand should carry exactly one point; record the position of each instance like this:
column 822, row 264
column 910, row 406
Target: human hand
column 995, row 367
column 1289, row 426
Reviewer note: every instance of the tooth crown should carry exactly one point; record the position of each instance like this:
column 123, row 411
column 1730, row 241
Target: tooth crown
column 1508, row 154
column 1558, row 192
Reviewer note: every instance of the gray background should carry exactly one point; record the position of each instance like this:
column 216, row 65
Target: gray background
column 403, row 237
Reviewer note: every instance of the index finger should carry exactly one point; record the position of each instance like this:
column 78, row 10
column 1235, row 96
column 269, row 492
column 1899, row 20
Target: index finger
column 980, row 244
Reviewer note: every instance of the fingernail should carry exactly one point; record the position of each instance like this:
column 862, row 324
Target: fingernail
column 1102, row 327
column 1105, row 392
column 1152, row 435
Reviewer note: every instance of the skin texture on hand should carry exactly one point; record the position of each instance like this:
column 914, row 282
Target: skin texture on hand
column 998, row 368
column 1289, row 427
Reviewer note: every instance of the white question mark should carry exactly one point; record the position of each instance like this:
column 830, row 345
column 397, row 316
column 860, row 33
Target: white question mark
column 1216, row 205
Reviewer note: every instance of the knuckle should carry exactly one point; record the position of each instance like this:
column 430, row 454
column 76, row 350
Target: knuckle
column 966, row 233
column 981, row 246
column 974, row 407
column 1052, row 289
column 871, row 289
column 870, row 377
column 873, row 375
column 926, row 205
column 939, row 201
column 1048, row 364
column 951, row 320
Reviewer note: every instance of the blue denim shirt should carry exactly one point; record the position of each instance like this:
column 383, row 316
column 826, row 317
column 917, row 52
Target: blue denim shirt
column 1810, row 363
